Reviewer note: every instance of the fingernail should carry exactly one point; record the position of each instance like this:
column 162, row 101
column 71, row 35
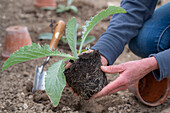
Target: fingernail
column 103, row 67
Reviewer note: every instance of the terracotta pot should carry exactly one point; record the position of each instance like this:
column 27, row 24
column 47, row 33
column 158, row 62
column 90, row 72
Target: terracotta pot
column 16, row 37
column 45, row 3
column 151, row 92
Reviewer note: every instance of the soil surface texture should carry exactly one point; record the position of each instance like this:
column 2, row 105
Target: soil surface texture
column 16, row 81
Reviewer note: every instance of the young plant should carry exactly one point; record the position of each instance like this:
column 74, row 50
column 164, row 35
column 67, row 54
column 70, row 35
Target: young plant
column 62, row 8
column 55, row 80
column 48, row 36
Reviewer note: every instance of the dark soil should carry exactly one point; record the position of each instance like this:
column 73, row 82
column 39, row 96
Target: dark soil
column 85, row 76
column 16, row 81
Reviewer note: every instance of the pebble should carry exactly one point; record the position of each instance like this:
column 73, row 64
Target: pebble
column 115, row 3
column 48, row 13
column 4, row 17
column 20, row 104
column 20, row 108
column 30, row 97
column 128, row 56
column 120, row 93
column 73, row 112
column 2, row 107
column 110, row 108
column 65, row 108
column 9, row 102
column 39, row 15
column 25, row 106
column 25, row 74
column 128, row 110
column 123, row 97
column 22, row 94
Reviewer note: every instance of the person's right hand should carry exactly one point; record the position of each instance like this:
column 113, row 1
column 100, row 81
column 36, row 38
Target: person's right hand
column 129, row 73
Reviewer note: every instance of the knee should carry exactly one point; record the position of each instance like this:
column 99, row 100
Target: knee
column 153, row 37
column 138, row 48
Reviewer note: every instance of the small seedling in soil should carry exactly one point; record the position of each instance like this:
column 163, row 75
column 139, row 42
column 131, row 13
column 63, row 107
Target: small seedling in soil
column 84, row 75
column 48, row 36
column 62, row 8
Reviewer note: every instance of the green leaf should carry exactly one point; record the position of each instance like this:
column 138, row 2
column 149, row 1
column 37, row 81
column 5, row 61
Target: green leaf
column 94, row 20
column 28, row 52
column 64, row 39
column 45, row 36
column 74, row 9
column 88, row 40
column 48, row 8
column 69, row 2
column 55, row 82
column 82, row 51
column 61, row 8
column 71, row 35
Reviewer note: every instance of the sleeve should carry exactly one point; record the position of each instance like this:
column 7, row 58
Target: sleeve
column 123, row 27
column 163, row 59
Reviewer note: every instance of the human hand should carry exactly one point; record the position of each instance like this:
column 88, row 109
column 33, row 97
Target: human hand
column 129, row 73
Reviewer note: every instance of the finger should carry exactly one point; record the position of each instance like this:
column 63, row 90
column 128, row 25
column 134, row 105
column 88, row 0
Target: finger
column 110, row 87
column 103, row 60
column 118, row 89
column 67, row 84
column 71, row 90
column 112, row 69
column 75, row 94
column 88, row 51
column 69, row 64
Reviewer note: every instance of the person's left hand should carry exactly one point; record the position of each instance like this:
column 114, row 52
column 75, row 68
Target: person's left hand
column 129, row 73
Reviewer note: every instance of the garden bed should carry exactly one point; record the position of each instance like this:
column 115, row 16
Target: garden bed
column 16, row 81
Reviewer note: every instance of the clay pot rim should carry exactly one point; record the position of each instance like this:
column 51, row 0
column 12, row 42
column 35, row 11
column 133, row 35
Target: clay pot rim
column 16, row 29
column 158, row 102
column 45, row 4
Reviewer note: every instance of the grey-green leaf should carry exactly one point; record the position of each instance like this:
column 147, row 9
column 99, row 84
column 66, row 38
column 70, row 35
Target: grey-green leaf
column 55, row 82
column 48, row 8
column 60, row 8
column 88, row 40
column 71, row 35
column 74, row 9
column 47, row 36
column 69, row 2
column 28, row 52
column 64, row 39
column 94, row 20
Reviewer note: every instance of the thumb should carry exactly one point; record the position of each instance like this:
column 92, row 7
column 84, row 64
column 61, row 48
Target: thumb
column 112, row 69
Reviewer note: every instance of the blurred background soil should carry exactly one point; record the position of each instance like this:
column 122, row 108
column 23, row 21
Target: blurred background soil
column 16, row 81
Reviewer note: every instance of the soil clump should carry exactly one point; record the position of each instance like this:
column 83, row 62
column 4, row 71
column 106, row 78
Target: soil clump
column 85, row 75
